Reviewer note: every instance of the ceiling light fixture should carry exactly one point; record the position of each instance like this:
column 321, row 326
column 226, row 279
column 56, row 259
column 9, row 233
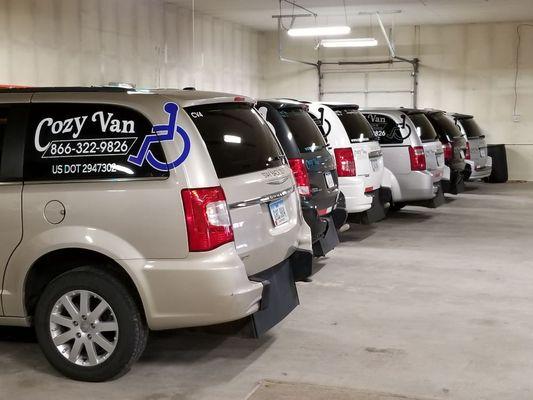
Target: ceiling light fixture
column 354, row 42
column 319, row 31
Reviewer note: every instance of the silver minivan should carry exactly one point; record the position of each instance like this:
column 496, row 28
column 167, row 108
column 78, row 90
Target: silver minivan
column 123, row 211
column 412, row 152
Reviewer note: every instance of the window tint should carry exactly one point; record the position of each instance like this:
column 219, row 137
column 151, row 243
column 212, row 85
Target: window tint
column 356, row 125
column 444, row 126
column 305, row 132
column 3, row 128
column 237, row 138
column 471, row 127
column 87, row 141
column 424, row 128
column 385, row 129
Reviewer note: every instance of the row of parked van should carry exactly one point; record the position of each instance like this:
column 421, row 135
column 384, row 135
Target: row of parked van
column 128, row 210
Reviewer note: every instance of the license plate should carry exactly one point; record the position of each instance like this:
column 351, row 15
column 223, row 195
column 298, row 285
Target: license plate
column 329, row 179
column 483, row 152
column 278, row 212
column 462, row 153
column 375, row 164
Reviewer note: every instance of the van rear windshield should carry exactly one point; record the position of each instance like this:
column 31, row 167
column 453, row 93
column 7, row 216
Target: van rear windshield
column 237, row 138
column 425, row 130
column 445, row 126
column 356, row 125
column 471, row 128
column 304, row 131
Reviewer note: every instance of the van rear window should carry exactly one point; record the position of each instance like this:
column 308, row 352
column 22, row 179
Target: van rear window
column 471, row 128
column 444, row 126
column 424, row 129
column 305, row 132
column 237, row 138
column 356, row 125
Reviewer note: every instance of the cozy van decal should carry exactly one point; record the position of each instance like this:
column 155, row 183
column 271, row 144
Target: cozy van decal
column 94, row 141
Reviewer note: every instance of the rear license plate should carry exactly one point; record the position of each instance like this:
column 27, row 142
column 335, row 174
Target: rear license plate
column 482, row 152
column 462, row 154
column 278, row 212
column 375, row 164
column 329, row 179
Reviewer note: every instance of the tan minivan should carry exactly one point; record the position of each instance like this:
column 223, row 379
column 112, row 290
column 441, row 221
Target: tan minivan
column 123, row 211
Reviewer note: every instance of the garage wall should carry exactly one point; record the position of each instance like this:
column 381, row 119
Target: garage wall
column 468, row 68
column 146, row 42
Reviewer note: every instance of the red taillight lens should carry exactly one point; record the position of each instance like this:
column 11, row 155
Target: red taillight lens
column 467, row 152
column 418, row 158
column 447, row 151
column 207, row 218
column 300, row 176
column 345, row 162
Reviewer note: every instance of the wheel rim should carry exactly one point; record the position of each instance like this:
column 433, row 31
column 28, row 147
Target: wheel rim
column 83, row 327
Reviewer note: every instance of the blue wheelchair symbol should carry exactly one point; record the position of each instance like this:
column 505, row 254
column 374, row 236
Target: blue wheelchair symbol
column 163, row 133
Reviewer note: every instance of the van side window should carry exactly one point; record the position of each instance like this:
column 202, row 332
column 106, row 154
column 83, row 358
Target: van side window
column 385, row 129
column 68, row 141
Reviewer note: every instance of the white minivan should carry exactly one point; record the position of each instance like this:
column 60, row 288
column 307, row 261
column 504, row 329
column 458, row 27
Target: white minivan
column 414, row 154
column 358, row 157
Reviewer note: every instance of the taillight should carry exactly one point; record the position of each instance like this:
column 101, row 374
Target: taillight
column 300, row 176
column 345, row 162
column 418, row 158
column 447, row 151
column 207, row 218
column 467, row 152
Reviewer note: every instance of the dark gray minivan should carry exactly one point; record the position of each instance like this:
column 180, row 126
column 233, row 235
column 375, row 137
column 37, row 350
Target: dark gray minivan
column 454, row 146
column 313, row 167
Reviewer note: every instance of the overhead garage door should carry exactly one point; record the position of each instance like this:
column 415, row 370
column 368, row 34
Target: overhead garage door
column 369, row 88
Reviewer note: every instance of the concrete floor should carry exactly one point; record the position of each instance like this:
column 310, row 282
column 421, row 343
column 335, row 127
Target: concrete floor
column 429, row 303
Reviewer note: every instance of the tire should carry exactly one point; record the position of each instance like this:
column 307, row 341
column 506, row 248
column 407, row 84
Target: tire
column 111, row 303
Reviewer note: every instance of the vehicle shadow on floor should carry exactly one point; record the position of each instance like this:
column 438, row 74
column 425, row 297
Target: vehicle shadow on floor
column 185, row 346
column 357, row 232
column 410, row 216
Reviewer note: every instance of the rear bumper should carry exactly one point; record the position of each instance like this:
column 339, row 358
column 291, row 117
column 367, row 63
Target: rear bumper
column 478, row 172
column 356, row 199
column 418, row 185
column 205, row 288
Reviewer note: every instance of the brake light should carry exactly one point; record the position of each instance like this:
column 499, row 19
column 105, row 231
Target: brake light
column 300, row 176
column 447, row 151
column 418, row 158
column 345, row 162
column 467, row 152
column 207, row 218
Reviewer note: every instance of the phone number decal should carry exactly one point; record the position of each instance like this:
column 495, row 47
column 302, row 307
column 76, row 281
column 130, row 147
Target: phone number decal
column 89, row 147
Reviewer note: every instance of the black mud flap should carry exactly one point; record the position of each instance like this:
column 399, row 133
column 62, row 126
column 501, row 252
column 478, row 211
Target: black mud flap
column 455, row 185
column 467, row 172
column 378, row 211
column 327, row 242
column 279, row 298
column 339, row 214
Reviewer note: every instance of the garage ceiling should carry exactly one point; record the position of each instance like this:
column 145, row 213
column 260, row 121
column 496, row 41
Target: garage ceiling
column 257, row 13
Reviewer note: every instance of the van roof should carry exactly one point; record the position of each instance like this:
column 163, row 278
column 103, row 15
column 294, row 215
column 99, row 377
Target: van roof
column 281, row 104
column 189, row 96
column 462, row 116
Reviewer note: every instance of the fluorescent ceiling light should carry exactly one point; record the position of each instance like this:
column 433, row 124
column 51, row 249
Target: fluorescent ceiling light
column 319, row 31
column 354, row 42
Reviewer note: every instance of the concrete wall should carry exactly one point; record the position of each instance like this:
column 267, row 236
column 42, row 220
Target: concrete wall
column 146, row 42
column 466, row 68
